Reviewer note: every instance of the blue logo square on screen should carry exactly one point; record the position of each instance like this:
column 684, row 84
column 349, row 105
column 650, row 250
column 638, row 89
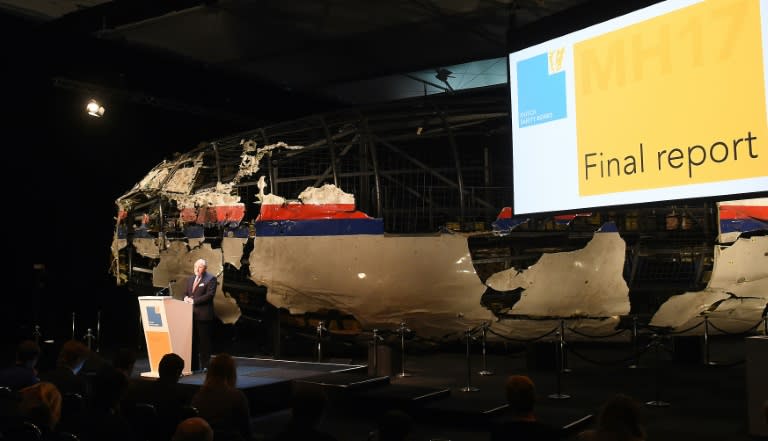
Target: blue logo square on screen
column 541, row 89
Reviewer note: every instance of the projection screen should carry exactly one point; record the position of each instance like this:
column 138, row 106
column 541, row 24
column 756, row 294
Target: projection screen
column 665, row 103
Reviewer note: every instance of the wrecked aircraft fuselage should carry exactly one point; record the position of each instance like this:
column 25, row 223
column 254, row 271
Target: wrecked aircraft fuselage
column 318, row 254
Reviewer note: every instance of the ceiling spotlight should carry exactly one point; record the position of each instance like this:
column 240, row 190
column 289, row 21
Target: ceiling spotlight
column 94, row 109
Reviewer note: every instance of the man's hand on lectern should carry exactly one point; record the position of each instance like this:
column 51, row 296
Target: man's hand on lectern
column 188, row 299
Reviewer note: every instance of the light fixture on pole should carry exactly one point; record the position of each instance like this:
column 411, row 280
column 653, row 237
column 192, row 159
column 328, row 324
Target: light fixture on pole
column 94, row 109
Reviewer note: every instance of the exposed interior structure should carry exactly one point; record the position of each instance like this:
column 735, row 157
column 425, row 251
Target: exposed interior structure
column 396, row 213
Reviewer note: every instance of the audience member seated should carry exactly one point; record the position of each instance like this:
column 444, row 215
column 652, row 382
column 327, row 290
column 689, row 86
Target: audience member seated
column 41, row 405
column 73, row 412
column 103, row 420
column 193, row 429
column 9, row 408
column 308, row 409
column 221, row 404
column 170, row 399
column 521, row 423
column 39, row 411
column 22, row 373
column 619, row 420
column 124, row 361
column 65, row 376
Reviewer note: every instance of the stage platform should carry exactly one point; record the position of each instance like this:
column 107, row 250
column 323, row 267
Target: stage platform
column 707, row 403
column 267, row 382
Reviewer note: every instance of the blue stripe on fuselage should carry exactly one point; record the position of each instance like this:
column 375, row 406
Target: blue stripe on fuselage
column 321, row 227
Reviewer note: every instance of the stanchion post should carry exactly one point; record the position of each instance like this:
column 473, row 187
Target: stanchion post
column 656, row 341
column 563, row 352
column 707, row 360
column 98, row 330
column 402, row 329
column 636, row 360
column 89, row 337
column 558, row 395
column 277, row 350
column 765, row 321
column 320, row 328
column 485, row 370
column 36, row 334
column 376, row 338
column 469, row 387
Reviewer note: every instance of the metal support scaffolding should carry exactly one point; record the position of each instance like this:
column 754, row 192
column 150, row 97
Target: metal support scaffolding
column 331, row 150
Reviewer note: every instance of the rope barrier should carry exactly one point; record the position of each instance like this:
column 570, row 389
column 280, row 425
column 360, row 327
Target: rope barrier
column 437, row 341
column 686, row 330
column 611, row 362
column 597, row 336
column 525, row 340
column 732, row 364
column 748, row 330
column 243, row 316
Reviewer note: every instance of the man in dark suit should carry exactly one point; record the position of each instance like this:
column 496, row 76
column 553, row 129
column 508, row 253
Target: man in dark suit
column 199, row 291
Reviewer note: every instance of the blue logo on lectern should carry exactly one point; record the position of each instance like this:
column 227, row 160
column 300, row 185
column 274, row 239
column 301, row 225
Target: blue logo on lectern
column 153, row 316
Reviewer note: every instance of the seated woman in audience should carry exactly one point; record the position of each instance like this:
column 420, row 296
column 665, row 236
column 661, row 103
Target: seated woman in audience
column 41, row 405
column 220, row 403
column 619, row 420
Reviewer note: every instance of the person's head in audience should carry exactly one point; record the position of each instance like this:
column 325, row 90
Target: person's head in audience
column 521, row 396
column 23, row 373
column 394, row 425
column 73, row 355
column 106, row 389
column 221, row 370
column 170, row 368
column 41, row 405
column 193, row 429
column 620, row 416
column 124, row 361
column 27, row 354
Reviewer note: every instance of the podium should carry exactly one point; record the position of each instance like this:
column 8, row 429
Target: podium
column 167, row 325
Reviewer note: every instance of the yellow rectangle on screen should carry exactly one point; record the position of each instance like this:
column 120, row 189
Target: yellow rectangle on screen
column 674, row 100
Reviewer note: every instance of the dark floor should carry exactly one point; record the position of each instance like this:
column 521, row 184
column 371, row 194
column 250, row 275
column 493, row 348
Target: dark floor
column 705, row 402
